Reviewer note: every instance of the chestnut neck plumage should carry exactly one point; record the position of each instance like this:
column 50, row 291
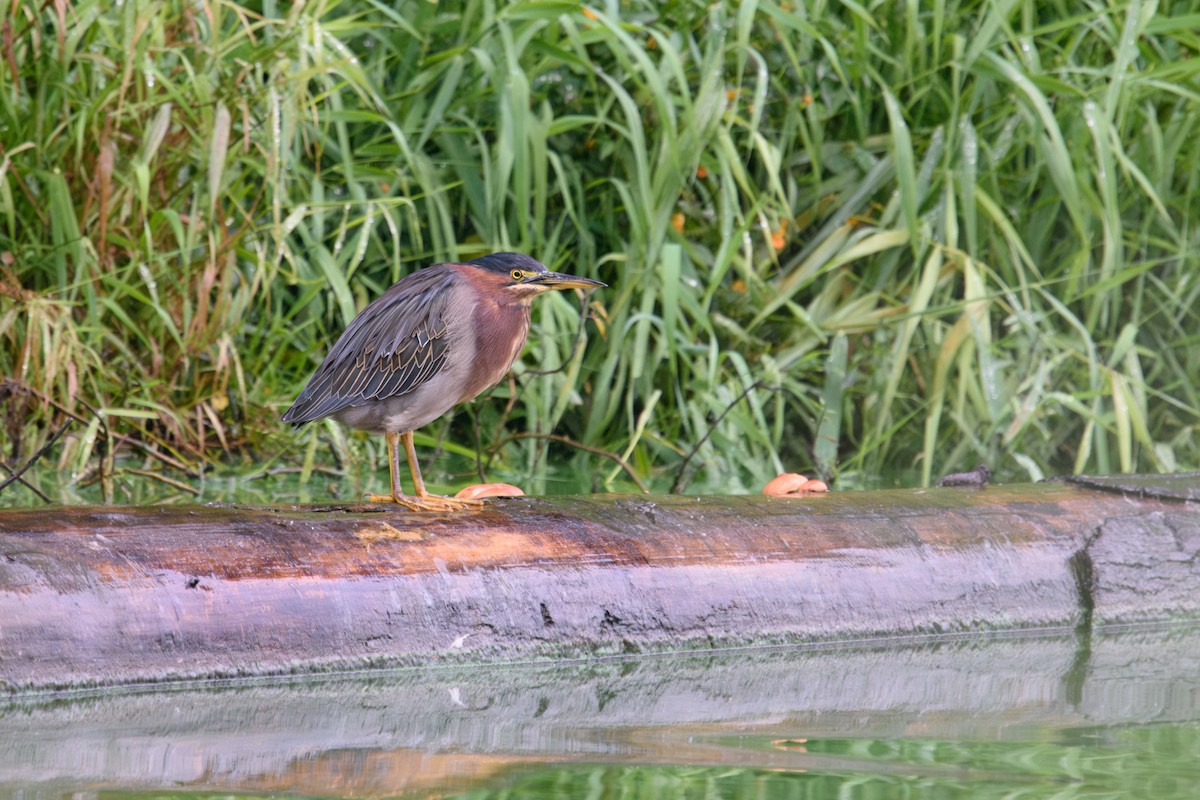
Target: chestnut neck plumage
column 500, row 325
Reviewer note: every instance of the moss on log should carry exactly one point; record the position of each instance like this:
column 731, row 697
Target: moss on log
column 98, row 596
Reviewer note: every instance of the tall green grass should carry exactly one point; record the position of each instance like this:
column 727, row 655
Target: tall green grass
column 861, row 239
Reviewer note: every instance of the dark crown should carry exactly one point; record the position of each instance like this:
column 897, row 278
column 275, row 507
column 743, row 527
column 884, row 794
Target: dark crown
column 507, row 262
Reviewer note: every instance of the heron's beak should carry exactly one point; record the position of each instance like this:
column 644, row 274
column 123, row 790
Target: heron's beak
column 560, row 280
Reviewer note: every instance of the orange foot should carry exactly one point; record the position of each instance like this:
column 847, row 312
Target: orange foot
column 428, row 502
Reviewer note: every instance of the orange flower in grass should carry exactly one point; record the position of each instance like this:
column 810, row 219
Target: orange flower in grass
column 779, row 236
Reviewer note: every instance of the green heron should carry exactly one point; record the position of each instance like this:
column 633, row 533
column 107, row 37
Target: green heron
column 437, row 338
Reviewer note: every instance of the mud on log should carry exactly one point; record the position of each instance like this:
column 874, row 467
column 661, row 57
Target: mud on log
column 97, row 596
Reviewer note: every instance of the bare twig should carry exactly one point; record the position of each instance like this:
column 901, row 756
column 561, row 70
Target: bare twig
column 584, row 316
column 272, row 471
column 27, row 484
column 508, row 407
column 555, row 437
column 17, row 475
column 152, row 451
column 682, row 477
column 576, row 346
column 11, row 386
column 158, row 476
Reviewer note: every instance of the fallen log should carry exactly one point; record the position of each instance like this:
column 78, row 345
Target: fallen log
column 95, row 596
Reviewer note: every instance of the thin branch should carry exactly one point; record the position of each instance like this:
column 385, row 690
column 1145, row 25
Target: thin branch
column 17, row 475
column 10, row 386
column 149, row 449
column 478, row 424
column 584, row 315
column 576, row 348
column 272, row 471
column 27, row 484
column 158, row 476
column 556, row 437
column 681, row 477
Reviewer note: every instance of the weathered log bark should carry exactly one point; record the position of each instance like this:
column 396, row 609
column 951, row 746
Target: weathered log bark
column 93, row 596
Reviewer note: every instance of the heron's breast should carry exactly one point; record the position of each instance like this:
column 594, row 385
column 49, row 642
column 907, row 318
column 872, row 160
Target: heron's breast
column 500, row 332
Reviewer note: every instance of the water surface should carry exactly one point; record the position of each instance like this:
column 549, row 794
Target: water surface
column 1061, row 715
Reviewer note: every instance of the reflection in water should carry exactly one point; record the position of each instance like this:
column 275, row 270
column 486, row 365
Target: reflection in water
column 999, row 717
column 281, row 484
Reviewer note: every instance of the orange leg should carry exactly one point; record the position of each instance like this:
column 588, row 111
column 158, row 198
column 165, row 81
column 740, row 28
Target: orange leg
column 422, row 500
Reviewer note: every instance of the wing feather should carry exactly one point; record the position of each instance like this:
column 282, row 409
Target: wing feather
column 396, row 344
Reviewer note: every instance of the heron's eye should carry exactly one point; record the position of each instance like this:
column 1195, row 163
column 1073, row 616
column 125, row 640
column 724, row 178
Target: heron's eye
column 517, row 275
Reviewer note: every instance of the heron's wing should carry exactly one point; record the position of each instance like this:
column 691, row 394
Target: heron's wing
column 394, row 345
